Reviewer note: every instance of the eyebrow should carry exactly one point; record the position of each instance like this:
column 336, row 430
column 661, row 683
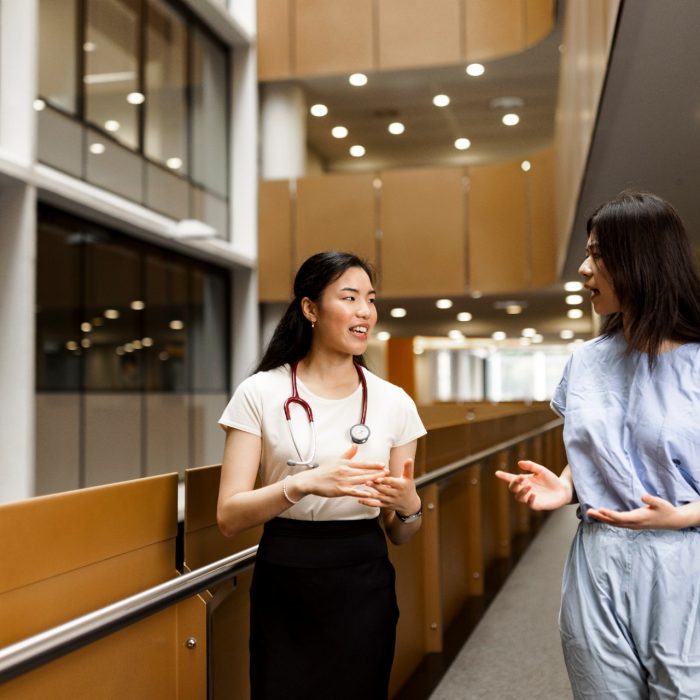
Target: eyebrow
column 357, row 291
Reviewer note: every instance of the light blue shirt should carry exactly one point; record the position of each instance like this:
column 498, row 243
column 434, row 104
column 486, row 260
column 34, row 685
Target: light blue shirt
column 629, row 430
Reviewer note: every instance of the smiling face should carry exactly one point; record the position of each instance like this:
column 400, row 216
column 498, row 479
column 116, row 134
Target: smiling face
column 345, row 314
column 597, row 280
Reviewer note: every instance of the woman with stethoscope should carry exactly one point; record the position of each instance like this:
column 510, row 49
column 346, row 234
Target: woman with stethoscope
column 333, row 446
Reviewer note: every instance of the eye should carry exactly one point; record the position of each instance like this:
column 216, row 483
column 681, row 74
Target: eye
column 373, row 300
column 349, row 298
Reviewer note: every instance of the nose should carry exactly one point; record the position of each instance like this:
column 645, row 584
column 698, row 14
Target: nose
column 585, row 269
column 363, row 310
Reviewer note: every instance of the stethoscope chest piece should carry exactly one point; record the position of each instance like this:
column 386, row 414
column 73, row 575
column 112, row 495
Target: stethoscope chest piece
column 359, row 433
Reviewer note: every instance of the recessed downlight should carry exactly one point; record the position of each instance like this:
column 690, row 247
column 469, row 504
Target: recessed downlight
column 444, row 303
column 383, row 336
column 573, row 286
column 525, row 166
column 339, row 132
column 574, row 313
column 475, row 70
column 566, row 334
column 357, row 151
column 318, row 110
column 396, row 128
column 398, row 312
column 358, row 79
column 464, row 317
column 462, row 144
column 573, row 299
column 510, row 119
column 441, row 100
column 498, row 335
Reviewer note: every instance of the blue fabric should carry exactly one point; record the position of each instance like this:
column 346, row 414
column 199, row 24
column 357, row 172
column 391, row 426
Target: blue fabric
column 629, row 430
column 630, row 614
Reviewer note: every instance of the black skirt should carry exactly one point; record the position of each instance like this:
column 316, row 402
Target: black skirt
column 323, row 611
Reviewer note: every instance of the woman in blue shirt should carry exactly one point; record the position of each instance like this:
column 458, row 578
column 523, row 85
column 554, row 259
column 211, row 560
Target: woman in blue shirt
column 630, row 614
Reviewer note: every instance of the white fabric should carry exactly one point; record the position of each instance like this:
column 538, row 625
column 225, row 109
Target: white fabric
column 257, row 407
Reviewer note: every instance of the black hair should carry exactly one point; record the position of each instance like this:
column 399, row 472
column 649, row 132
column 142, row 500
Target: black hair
column 647, row 253
column 291, row 340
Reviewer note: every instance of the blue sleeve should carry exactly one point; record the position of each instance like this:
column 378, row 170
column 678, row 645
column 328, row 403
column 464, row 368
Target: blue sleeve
column 558, row 402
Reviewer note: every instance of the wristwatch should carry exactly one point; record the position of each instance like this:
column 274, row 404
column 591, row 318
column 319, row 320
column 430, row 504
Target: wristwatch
column 410, row 518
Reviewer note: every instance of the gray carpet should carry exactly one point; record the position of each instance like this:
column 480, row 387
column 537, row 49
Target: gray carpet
column 514, row 652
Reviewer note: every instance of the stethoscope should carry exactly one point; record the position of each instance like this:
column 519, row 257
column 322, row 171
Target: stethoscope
column 359, row 433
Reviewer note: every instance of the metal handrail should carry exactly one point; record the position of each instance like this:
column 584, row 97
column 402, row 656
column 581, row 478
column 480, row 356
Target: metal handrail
column 39, row 649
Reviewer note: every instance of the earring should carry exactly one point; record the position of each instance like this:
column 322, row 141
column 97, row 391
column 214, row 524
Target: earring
column 313, row 324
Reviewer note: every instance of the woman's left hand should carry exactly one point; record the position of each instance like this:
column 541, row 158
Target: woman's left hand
column 394, row 492
column 657, row 514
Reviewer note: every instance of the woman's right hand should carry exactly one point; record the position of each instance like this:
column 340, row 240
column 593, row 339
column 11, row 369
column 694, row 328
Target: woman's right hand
column 540, row 489
column 343, row 478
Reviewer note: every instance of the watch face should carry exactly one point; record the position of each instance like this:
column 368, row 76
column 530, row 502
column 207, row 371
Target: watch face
column 359, row 433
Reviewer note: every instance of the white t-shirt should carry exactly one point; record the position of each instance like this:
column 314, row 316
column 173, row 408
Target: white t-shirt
column 257, row 407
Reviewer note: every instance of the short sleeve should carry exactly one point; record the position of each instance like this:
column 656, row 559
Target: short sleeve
column 558, row 402
column 244, row 410
column 411, row 426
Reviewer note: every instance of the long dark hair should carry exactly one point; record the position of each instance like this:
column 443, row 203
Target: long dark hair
column 646, row 251
column 291, row 340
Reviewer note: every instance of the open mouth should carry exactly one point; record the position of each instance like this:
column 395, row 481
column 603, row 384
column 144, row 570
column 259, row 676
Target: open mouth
column 360, row 331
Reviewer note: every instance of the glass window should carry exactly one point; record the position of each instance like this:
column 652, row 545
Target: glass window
column 58, row 333
column 112, row 94
column 209, row 114
column 111, row 325
column 208, row 335
column 166, row 82
column 166, row 324
column 58, row 64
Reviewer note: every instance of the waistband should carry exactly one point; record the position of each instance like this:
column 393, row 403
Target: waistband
column 321, row 543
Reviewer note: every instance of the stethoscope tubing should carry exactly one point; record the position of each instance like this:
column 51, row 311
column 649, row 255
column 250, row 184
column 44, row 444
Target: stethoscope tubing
column 296, row 399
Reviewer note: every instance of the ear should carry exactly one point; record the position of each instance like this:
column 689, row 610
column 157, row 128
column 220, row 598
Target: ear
column 308, row 308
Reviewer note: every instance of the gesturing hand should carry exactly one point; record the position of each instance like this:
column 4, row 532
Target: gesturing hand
column 656, row 514
column 341, row 478
column 393, row 492
column 541, row 489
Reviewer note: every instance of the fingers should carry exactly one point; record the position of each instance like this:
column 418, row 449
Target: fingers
column 527, row 466
column 350, row 452
column 505, row 476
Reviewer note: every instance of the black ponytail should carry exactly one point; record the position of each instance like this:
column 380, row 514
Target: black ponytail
column 291, row 340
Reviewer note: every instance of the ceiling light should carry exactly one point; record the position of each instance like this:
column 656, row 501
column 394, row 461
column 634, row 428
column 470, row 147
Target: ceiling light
column 119, row 351
column 377, row 183
column 525, row 166
column 135, row 98
column 137, row 305
column 357, row 151
column 383, row 336
column 510, row 119
column 147, row 342
column 398, row 312
column 89, row 46
column 163, row 356
column 456, row 335
column 573, row 286
column 112, row 125
column 86, row 343
column 498, row 335
column 174, row 163
column 574, row 299
column 137, row 344
column 524, row 341
column 537, row 338
column 71, row 345
column 476, row 294
column 444, row 303
column 128, row 347
column 462, row 144
column 574, row 313
column 528, row 332
column 566, row 334
column 39, row 105
column 358, row 79
column 97, row 148
column 339, row 132
column 396, row 128
column 176, row 324
column 441, row 100
column 514, row 309
column 318, row 110
column 111, row 313
column 475, row 70
column 464, row 317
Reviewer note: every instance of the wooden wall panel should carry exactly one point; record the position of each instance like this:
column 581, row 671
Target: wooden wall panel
column 274, row 241
column 274, row 47
column 498, row 251
column 418, row 33
column 494, row 28
column 335, row 212
column 401, row 365
column 539, row 20
column 422, row 219
column 333, row 37
column 540, row 181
